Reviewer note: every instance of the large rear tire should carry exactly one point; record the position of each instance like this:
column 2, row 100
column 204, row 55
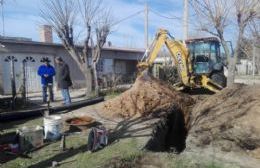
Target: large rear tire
column 219, row 78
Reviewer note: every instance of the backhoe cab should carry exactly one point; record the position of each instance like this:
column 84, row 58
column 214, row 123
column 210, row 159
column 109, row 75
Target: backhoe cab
column 198, row 62
column 206, row 59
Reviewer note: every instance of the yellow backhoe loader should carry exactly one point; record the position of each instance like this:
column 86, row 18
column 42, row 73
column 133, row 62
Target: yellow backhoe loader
column 198, row 61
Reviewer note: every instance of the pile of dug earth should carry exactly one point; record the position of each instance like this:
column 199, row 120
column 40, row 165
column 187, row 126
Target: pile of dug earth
column 229, row 120
column 148, row 95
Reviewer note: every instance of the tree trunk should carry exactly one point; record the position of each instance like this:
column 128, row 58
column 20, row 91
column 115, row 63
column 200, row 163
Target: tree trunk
column 88, row 81
column 233, row 61
column 95, row 75
column 85, row 69
column 96, row 56
column 257, row 58
column 231, row 71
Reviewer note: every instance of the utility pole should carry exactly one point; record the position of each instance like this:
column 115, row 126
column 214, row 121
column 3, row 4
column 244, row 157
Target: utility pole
column 146, row 26
column 185, row 20
column 3, row 18
column 254, row 55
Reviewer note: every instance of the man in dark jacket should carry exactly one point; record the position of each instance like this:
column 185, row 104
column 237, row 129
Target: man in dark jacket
column 63, row 79
column 46, row 72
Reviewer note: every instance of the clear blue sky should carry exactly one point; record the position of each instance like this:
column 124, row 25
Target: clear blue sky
column 22, row 19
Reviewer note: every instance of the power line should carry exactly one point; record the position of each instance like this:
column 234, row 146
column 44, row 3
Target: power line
column 166, row 17
column 128, row 17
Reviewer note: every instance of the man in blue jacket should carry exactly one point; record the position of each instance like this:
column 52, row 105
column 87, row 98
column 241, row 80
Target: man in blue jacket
column 46, row 72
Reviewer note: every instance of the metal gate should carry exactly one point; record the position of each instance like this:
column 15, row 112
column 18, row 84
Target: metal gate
column 33, row 81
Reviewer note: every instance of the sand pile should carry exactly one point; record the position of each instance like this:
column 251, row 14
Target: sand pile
column 230, row 119
column 146, row 96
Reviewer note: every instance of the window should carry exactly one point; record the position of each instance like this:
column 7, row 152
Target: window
column 100, row 65
column 209, row 49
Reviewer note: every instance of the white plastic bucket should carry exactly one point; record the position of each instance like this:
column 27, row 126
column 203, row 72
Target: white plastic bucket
column 52, row 127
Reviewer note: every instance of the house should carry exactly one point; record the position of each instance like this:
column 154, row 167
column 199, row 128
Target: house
column 245, row 67
column 118, row 61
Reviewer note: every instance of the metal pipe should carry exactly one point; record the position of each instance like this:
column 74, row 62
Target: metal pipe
column 7, row 116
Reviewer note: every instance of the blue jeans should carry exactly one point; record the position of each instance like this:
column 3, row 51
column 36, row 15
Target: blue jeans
column 66, row 96
column 44, row 92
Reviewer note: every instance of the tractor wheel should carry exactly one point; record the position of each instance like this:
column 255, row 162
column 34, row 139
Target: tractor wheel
column 219, row 78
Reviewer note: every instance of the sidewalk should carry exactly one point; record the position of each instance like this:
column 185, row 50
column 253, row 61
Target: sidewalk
column 34, row 100
column 76, row 95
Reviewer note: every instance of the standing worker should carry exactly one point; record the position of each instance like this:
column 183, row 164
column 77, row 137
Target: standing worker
column 63, row 79
column 46, row 71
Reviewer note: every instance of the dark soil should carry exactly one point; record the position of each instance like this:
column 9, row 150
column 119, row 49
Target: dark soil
column 229, row 119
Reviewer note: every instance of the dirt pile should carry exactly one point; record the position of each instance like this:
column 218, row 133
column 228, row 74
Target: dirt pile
column 229, row 119
column 146, row 96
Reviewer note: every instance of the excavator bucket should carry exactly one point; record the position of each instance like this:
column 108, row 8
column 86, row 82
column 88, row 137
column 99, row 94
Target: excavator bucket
column 211, row 85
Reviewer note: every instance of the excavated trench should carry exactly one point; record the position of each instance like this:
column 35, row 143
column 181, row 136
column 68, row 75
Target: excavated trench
column 169, row 133
column 152, row 97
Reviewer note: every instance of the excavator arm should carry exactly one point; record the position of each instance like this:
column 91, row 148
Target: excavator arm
column 181, row 58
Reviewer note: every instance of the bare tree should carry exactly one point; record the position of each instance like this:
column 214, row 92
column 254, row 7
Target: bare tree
column 254, row 27
column 246, row 48
column 103, row 28
column 216, row 15
column 254, row 34
column 99, row 18
column 245, row 13
column 63, row 15
column 213, row 18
